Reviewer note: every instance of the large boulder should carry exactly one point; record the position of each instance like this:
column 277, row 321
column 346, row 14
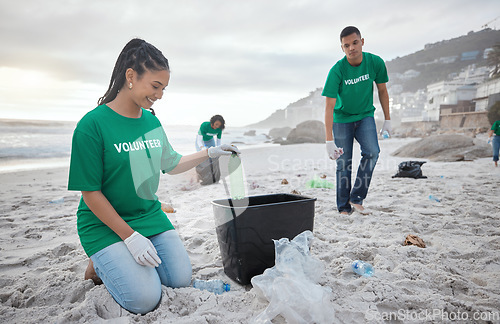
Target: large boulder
column 277, row 133
column 310, row 131
column 445, row 148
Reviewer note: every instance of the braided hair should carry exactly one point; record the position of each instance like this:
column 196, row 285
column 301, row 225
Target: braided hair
column 138, row 55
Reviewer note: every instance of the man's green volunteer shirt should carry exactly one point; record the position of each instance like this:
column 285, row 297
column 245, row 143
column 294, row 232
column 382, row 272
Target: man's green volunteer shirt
column 122, row 157
column 352, row 86
column 208, row 132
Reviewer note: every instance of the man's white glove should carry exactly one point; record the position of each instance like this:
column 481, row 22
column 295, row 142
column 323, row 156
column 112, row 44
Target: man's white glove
column 333, row 151
column 224, row 149
column 142, row 250
column 386, row 127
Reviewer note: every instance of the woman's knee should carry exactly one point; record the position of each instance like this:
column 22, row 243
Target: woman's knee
column 182, row 278
column 176, row 275
column 135, row 287
column 144, row 298
column 175, row 270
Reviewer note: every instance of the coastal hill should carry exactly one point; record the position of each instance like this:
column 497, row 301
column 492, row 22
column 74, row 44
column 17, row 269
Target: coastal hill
column 436, row 62
column 439, row 60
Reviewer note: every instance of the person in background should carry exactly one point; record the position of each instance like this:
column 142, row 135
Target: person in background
column 494, row 139
column 208, row 130
column 349, row 115
column 118, row 151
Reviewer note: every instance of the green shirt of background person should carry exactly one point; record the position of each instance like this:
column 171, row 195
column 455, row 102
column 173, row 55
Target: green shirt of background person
column 495, row 129
column 354, row 96
column 495, row 140
column 208, row 131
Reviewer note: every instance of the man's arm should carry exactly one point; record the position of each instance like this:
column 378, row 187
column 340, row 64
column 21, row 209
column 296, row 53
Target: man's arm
column 383, row 96
column 332, row 150
column 330, row 105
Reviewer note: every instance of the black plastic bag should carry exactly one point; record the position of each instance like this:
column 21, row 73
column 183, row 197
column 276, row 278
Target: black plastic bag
column 208, row 171
column 410, row 169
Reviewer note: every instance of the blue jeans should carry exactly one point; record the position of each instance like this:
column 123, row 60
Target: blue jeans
column 209, row 143
column 495, row 142
column 365, row 132
column 135, row 287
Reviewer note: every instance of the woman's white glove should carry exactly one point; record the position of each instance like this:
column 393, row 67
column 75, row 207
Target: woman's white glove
column 224, row 149
column 142, row 250
column 386, row 127
column 333, row 151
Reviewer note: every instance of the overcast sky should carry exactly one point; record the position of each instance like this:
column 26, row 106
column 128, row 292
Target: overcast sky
column 241, row 59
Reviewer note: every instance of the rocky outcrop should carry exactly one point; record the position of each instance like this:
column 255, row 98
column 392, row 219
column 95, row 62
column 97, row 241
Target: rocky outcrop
column 310, row 131
column 281, row 132
column 445, row 148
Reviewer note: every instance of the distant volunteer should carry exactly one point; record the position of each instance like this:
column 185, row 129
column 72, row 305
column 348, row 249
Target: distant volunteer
column 494, row 139
column 349, row 115
column 208, row 130
column 119, row 151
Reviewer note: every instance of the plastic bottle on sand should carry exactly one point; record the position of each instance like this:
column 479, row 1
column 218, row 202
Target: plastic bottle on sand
column 362, row 268
column 57, row 201
column 216, row 286
column 433, row 198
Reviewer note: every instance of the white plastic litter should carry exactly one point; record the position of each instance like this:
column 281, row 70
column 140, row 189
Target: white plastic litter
column 291, row 286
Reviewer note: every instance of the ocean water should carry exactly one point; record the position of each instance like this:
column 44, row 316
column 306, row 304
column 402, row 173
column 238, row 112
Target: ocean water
column 29, row 145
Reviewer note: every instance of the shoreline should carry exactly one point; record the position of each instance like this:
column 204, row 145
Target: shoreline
column 35, row 164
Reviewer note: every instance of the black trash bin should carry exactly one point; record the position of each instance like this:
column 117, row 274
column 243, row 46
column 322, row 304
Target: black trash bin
column 246, row 233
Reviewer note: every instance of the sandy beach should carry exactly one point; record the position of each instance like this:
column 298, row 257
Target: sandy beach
column 456, row 277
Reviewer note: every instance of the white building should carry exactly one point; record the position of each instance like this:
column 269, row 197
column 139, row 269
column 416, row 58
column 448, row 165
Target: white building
column 473, row 74
column 440, row 93
column 462, row 88
column 487, row 94
column 448, row 59
column 410, row 74
column 411, row 105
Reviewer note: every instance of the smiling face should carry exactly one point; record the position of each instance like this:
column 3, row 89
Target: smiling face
column 216, row 124
column 147, row 88
column 352, row 46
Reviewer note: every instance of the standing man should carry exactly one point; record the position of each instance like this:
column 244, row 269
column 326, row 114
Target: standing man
column 349, row 112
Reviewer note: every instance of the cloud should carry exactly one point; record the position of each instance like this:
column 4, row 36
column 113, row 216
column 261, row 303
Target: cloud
column 285, row 47
column 81, row 39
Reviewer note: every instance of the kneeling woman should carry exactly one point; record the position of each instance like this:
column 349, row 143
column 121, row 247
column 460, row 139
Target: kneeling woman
column 118, row 152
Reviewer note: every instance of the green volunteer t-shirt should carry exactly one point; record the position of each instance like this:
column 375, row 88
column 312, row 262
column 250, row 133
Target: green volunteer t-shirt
column 496, row 127
column 352, row 86
column 122, row 157
column 208, row 132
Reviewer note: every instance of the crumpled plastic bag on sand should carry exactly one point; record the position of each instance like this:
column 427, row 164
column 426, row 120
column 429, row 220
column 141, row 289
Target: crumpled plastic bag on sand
column 291, row 286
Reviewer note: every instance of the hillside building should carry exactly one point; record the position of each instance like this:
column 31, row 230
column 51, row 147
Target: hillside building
column 487, row 95
column 448, row 97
